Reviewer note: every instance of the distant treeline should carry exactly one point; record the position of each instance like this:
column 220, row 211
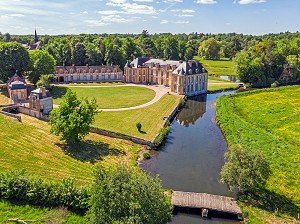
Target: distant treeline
column 95, row 49
column 261, row 60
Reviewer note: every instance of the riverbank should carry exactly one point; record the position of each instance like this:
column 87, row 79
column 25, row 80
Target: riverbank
column 267, row 120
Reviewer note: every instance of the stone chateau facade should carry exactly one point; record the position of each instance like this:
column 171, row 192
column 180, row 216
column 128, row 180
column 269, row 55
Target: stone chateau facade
column 88, row 73
column 182, row 77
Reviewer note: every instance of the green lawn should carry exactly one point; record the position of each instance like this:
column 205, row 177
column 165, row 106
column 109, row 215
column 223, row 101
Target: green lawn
column 218, row 67
column 109, row 97
column 151, row 118
column 29, row 145
column 268, row 120
column 39, row 214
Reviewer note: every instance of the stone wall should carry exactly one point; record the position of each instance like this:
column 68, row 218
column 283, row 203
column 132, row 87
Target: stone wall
column 122, row 136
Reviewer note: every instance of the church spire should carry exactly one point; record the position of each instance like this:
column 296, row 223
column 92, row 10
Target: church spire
column 36, row 39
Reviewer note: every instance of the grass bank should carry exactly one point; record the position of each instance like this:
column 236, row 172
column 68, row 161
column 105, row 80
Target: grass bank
column 108, row 97
column 29, row 145
column 151, row 118
column 268, row 120
column 218, row 67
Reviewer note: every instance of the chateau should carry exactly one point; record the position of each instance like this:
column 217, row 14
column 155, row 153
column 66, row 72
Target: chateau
column 182, row 77
column 88, row 73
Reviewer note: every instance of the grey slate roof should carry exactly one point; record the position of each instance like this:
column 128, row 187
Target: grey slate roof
column 139, row 61
column 17, row 85
column 190, row 67
column 39, row 92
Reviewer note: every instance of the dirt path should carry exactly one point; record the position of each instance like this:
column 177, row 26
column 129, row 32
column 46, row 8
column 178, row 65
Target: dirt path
column 159, row 92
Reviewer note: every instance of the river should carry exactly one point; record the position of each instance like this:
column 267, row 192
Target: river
column 193, row 155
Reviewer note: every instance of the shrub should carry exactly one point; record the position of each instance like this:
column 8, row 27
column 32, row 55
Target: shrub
column 163, row 132
column 20, row 186
column 275, row 84
column 139, row 126
column 146, row 155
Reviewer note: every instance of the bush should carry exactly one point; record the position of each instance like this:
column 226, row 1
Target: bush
column 163, row 132
column 275, row 84
column 20, row 186
column 146, row 155
column 139, row 126
column 124, row 194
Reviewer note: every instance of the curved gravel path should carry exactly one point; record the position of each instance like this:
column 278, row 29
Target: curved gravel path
column 159, row 92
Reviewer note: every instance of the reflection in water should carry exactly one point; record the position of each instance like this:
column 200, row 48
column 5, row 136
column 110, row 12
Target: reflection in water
column 194, row 108
column 229, row 78
column 193, row 155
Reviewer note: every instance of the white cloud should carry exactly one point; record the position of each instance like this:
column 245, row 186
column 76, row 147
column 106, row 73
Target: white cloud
column 11, row 15
column 172, row 1
column 207, row 2
column 182, row 22
column 245, row 2
column 110, row 12
column 132, row 8
column 188, row 11
column 185, row 15
column 164, row 21
column 142, row 0
column 84, row 12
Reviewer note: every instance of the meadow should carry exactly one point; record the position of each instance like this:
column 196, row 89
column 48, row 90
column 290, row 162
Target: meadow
column 224, row 66
column 29, row 145
column 151, row 118
column 108, row 97
column 217, row 84
column 268, row 120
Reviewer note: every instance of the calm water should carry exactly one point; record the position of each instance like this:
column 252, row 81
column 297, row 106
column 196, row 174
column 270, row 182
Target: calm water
column 230, row 78
column 192, row 157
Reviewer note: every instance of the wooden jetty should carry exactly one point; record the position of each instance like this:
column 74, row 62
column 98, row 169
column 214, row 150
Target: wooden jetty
column 206, row 202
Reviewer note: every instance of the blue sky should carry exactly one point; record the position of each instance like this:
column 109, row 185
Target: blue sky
column 132, row 16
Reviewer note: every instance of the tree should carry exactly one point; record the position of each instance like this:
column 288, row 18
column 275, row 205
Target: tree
column 209, row 49
column 123, row 194
column 46, row 80
column 245, row 169
column 13, row 57
column 43, row 64
column 71, row 121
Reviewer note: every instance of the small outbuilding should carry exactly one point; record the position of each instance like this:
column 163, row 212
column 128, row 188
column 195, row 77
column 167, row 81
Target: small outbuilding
column 17, row 89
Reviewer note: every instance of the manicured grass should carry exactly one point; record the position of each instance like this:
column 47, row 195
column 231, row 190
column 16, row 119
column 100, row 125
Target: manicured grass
column 268, row 120
column 151, row 118
column 3, row 94
column 40, row 214
column 216, row 85
column 29, row 145
column 218, row 67
column 109, row 97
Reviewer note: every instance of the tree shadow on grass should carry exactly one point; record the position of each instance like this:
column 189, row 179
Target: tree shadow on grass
column 89, row 151
column 272, row 202
column 58, row 91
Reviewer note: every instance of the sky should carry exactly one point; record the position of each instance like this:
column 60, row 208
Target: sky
column 54, row 17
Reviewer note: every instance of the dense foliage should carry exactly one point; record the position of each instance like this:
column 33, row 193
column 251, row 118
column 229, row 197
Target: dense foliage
column 163, row 132
column 124, row 194
column 13, row 57
column 22, row 187
column 245, row 170
column 71, row 121
column 267, row 62
column 43, row 64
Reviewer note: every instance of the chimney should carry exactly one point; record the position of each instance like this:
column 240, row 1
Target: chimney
column 44, row 91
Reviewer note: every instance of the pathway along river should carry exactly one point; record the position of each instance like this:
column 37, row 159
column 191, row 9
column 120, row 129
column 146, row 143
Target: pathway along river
column 193, row 155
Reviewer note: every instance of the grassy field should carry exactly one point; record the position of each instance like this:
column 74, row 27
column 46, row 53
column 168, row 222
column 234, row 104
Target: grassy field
column 216, row 84
column 109, row 97
column 151, row 118
column 39, row 214
column 268, row 120
column 28, row 145
column 218, row 67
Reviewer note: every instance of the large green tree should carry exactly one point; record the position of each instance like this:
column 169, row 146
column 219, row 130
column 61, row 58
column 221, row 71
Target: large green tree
column 43, row 64
column 123, row 194
column 71, row 120
column 209, row 49
column 13, row 57
column 246, row 170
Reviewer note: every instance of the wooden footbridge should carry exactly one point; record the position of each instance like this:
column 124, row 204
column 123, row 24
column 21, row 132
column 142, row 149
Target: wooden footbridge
column 206, row 202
